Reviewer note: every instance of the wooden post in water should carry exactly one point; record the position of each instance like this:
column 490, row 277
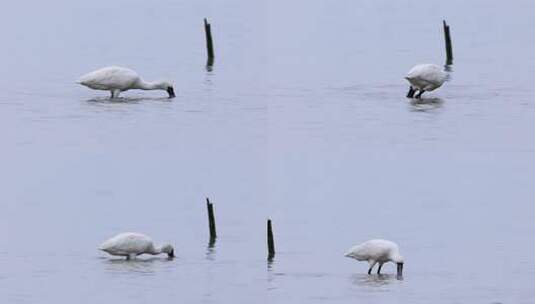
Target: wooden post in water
column 209, row 43
column 270, row 241
column 211, row 220
column 447, row 38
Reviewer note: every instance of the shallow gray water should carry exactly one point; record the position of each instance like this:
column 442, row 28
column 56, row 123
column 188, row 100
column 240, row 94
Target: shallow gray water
column 303, row 119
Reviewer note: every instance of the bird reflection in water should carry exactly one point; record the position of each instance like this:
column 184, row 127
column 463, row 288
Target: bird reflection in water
column 374, row 280
column 142, row 266
column 426, row 104
column 124, row 100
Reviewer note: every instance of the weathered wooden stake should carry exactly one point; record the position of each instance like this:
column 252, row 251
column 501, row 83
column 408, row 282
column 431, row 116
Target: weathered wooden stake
column 447, row 38
column 211, row 220
column 209, row 43
column 270, row 241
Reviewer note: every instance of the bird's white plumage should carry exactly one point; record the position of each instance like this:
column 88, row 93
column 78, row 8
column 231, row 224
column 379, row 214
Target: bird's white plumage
column 118, row 79
column 131, row 244
column 426, row 77
column 376, row 250
column 110, row 78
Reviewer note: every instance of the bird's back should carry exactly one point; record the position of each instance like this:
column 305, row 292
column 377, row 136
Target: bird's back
column 372, row 250
column 127, row 243
column 110, row 78
column 427, row 73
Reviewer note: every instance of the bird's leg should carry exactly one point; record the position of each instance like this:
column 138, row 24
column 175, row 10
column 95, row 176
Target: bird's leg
column 411, row 92
column 115, row 93
column 372, row 263
column 379, row 269
column 419, row 95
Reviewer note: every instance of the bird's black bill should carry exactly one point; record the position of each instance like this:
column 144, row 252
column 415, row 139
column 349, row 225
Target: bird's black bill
column 171, row 92
column 400, row 271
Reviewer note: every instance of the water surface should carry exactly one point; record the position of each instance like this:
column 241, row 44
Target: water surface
column 302, row 119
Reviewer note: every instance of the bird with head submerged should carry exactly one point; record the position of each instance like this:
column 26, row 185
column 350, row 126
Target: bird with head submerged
column 117, row 79
column 377, row 251
column 131, row 244
column 425, row 78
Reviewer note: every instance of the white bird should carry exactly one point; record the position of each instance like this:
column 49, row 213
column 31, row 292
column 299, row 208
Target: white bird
column 425, row 78
column 117, row 79
column 377, row 251
column 130, row 245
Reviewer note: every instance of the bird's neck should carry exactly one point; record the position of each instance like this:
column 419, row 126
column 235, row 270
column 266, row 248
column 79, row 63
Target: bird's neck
column 396, row 257
column 144, row 85
column 156, row 250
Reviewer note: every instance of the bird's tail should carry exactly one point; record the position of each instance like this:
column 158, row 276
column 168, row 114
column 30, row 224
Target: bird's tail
column 82, row 80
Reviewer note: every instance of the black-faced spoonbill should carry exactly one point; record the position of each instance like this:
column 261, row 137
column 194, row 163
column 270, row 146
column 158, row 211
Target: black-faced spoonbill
column 377, row 251
column 117, row 79
column 425, row 78
column 130, row 245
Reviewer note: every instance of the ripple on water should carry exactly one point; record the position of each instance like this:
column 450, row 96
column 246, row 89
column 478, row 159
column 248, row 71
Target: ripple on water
column 143, row 266
column 374, row 281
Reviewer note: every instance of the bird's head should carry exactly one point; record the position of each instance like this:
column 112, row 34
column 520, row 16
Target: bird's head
column 168, row 87
column 398, row 259
column 169, row 250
